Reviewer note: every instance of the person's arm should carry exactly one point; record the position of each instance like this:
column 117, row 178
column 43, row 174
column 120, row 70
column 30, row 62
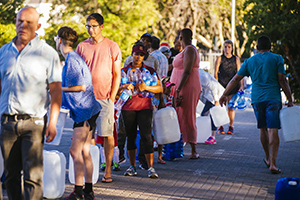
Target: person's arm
column 77, row 88
column 154, row 89
column 232, row 83
column 116, row 80
column 238, row 66
column 189, row 57
column 285, row 87
column 217, row 65
column 56, row 96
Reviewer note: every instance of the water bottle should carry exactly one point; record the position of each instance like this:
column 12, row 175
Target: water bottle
column 130, row 75
column 232, row 102
column 241, row 101
column 153, row 83
column 123, row 98
column 124, row 78
column 146, row 77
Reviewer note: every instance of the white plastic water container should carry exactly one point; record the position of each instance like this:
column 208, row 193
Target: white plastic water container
column 59, row 126
column 54, row 174
column 166, row 126
column 290, row 120
column 219, row 115
column 95, row 153
column 1, row 163
column 199, row 108
column 203, row 124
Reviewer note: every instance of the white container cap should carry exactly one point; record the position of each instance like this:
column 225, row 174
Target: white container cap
column 293, row 183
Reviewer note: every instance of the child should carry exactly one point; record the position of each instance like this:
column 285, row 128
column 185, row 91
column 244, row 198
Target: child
column 165, row 100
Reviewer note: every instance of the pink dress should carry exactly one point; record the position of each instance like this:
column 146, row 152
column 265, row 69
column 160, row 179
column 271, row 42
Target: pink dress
column 191, row 93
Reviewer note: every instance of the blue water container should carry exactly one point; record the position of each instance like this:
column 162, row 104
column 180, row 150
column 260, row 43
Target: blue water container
column 287, row 189
column 173, row 150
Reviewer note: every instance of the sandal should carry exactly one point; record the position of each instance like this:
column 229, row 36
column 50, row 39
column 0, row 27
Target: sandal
column 107, row 179
column 161, row 161
column 275, row 171
column 268, row 165
column 194, row 156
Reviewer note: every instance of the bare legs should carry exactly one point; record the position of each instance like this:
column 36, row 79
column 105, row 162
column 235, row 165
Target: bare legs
column 80, row 152
column 194, row 154
column 270, row 142
column 108, row 145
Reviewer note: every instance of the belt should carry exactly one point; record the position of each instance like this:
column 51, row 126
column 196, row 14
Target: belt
column 17, row 117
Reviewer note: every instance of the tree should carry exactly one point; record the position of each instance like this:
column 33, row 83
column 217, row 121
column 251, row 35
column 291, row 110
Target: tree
column 7, row 16
column 124, row 20
column 279, row 19
column 209, row 21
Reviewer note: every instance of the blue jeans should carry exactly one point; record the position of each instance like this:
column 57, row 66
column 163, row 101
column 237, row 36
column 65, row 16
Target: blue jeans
column 22, row 142
column 205, row 112
column 267, row 114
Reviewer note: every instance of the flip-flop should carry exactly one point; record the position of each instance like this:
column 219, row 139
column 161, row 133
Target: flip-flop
column 194, row 156
column 106, row 179
column 268, row 165
column 275, row 171
column 161, row 161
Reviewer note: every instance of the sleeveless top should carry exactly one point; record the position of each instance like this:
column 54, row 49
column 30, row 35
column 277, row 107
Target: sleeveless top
column 227, row 70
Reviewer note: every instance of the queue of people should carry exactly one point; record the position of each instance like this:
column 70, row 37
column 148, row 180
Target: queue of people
column 88, row 86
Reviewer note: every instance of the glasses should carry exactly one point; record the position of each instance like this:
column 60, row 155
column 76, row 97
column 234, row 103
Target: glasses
column 92, row 26
column 55, row 38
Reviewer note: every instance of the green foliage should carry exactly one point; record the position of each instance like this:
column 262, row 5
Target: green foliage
column 279, row 19
column 8, row 10
column 124, row 20
column 7, row 32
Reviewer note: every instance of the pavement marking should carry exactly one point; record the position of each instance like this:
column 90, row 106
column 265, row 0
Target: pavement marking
column 198, row 172
column 240, row 138
column 227, row 137
column 219, row 151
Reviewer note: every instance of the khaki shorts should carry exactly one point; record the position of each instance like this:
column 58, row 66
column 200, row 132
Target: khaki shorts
column 105, row 121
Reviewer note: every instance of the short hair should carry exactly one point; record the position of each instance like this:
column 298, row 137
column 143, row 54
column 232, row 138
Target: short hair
column 155, row 42
column 186, row 34
column 263, row 43
column 68, row 35
column 96, row 16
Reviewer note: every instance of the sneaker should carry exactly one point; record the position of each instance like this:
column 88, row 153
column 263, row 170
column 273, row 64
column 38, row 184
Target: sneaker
column 221, row 130
column 122, row 160
column 131, row 171
column 102, row 166
column 116, row 166
column 73, row 196
column 211, row 140
column 89, row 196
column 230, row 130
column 152, row 173
column 143, row 166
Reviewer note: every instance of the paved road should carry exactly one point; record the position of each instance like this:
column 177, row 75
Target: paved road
column 231, row 169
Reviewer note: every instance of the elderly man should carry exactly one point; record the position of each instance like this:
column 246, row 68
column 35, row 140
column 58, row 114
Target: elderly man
column 30, row 70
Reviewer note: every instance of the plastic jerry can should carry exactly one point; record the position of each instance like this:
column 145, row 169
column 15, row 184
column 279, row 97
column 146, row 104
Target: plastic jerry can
column 166, row 126
column 290, row 120
column 203, row 124
column 95, row 153
column 199, row 108
column 219, row 115
column 63, row 114
column 54, row 174
column 287, row 189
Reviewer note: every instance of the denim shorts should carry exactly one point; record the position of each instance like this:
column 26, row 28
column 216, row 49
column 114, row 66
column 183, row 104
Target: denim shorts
column 267, row 114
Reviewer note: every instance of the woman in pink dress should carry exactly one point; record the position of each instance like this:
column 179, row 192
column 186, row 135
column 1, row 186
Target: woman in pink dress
column 187, row 89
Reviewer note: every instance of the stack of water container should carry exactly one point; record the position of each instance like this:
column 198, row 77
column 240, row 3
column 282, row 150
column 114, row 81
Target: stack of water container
column 134, row 78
